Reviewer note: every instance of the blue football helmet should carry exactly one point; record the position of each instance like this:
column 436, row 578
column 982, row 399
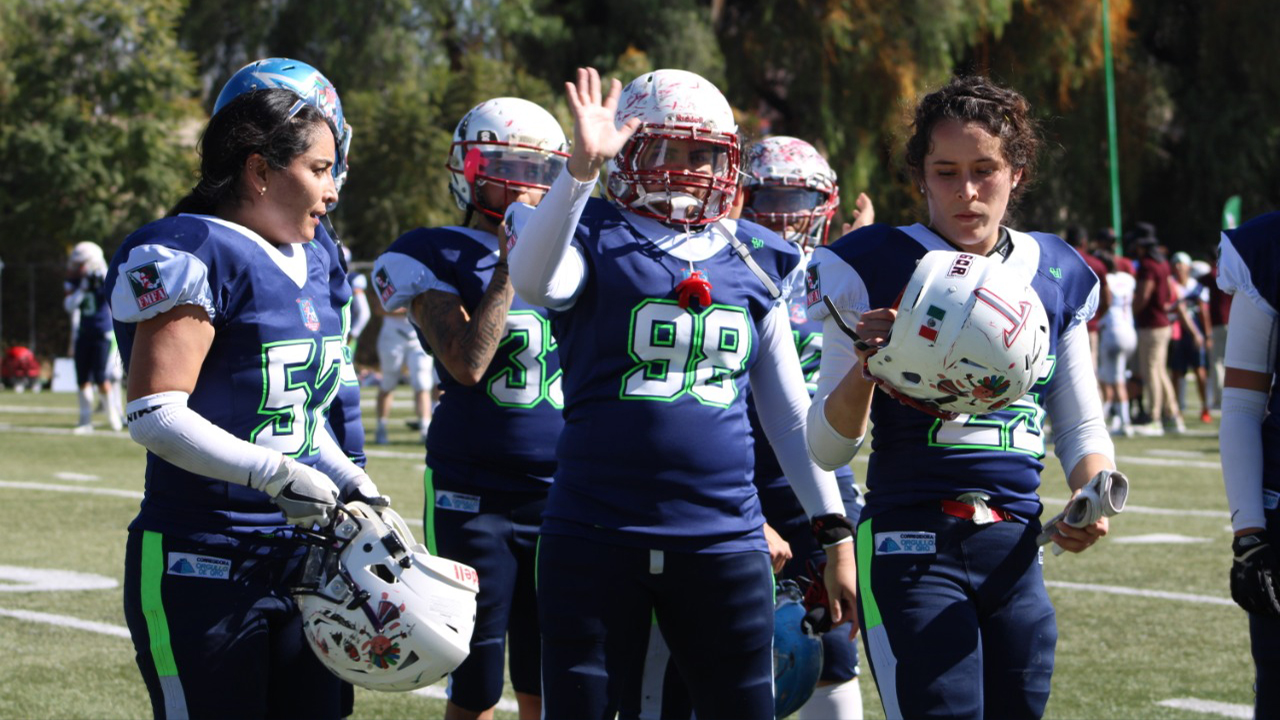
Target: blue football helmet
column 309, row 83
column 797, row 651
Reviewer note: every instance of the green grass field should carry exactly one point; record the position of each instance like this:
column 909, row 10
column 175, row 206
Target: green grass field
column 1146, row 626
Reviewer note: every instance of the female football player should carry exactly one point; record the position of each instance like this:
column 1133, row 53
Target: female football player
column 1250, row 441
column 491, row 450
column 663, row 310
column 234, row 349
column 953, row 606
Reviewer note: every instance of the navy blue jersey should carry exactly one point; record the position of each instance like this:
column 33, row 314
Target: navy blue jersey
column 917, row 458
column 95, row 308
column 501, row 432
column 344, row 414
column 657, row 448
column 1250, row 264
column 274, row 366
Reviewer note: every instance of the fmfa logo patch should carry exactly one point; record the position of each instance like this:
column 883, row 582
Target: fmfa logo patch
column 382, row 281
column 812, row 286
column 148, row 288
column 308, row 312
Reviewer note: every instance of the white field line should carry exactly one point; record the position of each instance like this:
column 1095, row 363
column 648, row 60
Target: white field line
column 1144, row 510
column 81, row 489
column 1209, row 707
column 36, row 430
column 24, row 410
column 66, row 621
column 1136, row 592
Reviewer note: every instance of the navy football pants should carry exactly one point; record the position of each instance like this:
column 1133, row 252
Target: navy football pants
column 225, row 645
column 596, row 603
column 955, row 615
column 500, row 541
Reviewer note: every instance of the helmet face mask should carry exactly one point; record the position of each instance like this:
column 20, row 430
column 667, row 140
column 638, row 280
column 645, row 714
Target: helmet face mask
column 377, row 609
column 309, row 84
column 509, row 143
column 969, row 338
column 681, row 165
column 791, row 190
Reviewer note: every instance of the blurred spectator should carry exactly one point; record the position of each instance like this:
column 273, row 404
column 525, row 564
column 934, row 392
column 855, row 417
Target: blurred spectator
column 1152, row 301
column 95, row 339
column 1118, row 339
column 1219, row 315
column 1078, row 238
column 398, row 347
column 1188, row 351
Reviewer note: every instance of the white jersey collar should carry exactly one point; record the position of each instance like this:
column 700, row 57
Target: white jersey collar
column 697, row 246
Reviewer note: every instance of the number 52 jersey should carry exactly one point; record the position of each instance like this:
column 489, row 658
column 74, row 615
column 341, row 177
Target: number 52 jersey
column 274, row 367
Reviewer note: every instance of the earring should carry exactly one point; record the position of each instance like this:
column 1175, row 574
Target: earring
column 263, row 191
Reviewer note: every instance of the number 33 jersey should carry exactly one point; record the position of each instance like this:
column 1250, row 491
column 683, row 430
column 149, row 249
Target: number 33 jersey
column 274, row 367
column 499, row 434
column 916, row 457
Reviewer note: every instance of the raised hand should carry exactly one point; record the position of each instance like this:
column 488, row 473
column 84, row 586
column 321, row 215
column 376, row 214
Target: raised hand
column 595, row 137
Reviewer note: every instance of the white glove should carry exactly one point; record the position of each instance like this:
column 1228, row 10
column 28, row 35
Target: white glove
column 1105, row 494
column 363, row 490
column 306, row 495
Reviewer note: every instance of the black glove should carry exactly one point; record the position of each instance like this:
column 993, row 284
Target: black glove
column 1254, row 575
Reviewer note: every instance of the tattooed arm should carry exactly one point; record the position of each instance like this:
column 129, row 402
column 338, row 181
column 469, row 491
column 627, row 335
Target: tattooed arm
column 466, row 342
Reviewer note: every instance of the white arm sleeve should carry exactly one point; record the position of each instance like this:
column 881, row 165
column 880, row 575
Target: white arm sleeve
column 1251, row 345
column 163, row 424
column 335, row 463
column 359, row 312
column 777, row 382
column 1073, row 403
column 547, row 269
column 828, row 448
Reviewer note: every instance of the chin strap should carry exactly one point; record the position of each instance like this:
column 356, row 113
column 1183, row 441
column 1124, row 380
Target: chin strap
column 745, row 254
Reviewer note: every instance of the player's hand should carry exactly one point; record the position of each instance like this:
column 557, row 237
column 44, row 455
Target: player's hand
column 305, row 495
column 864, row 214
column 1078, row 539
column 363, row 490
column 779, row 549
column 595, row 137
column 841, row 579
column 1254, row 574
column 873, row 327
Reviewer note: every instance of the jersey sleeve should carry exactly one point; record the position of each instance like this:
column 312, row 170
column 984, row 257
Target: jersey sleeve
column 154, row 279
column 1235, row 278
column 403, row 272
column 829, row 275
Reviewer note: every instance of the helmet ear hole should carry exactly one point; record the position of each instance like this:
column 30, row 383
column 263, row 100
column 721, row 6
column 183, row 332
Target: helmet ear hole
column 383, row 573
column 911, row 377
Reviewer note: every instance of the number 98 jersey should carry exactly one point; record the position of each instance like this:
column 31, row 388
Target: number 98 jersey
column 916, row 457
column 274, row 367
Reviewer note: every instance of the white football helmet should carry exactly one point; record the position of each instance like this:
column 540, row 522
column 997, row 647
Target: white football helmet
column 508, row 141
column 87, row 258
column 969, row 338
column 681, row 166
column 790, row 189
column 378, row 609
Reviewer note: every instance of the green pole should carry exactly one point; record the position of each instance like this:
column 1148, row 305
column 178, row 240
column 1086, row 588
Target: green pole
column 1111, row 123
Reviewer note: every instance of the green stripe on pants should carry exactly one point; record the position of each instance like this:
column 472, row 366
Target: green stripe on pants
column 429, row 510
column 153, row 567
column 865, row 549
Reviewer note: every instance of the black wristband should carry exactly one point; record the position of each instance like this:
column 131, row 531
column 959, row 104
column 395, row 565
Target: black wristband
column 831, row 528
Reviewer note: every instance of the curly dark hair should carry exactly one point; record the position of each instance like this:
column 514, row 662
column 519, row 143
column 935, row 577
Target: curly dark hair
column 262, row 122
column 1004, row 113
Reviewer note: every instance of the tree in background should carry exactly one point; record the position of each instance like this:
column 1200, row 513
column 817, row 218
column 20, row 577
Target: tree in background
column 97, row 128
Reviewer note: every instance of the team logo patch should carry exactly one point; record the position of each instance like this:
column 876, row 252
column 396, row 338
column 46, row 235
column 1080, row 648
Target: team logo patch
column 386, row 288
column 148, row 288
column 202, row 566
column 308, row 312
column 446, row 500
column 906, row 543
column 509, row 233
column 798, row 316
column 929, row 330
column 812, row 286
column 1270, row 499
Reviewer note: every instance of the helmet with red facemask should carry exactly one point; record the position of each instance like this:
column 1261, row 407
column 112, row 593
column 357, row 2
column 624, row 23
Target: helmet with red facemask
column 681, row 165
column 508, row 142
column 790, row 189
